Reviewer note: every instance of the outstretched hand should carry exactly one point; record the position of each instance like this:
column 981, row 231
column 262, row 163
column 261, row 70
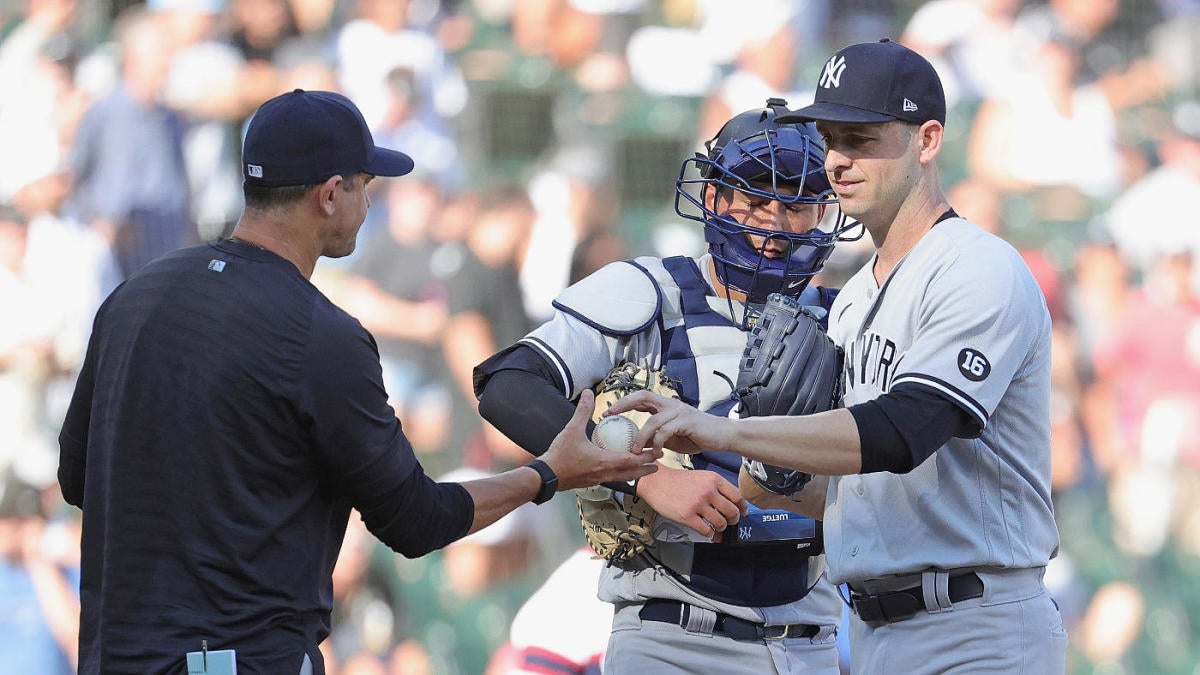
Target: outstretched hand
column 674, row 424
column 580, row 463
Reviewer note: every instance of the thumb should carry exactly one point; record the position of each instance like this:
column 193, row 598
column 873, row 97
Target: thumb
column 583, row 411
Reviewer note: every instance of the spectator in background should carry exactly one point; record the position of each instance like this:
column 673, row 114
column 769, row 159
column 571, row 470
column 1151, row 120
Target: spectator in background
column 544, row 638
column 214, row 88
column 461, row 600
column 375, row 42
column 763, row 67
column 486, row 312
column 1151, row 366
column 970, row 42
column 39, row 617
column 1152, row 216
column 35, row 60
column 364, row 621
column 392, row 289
column 408, row 122
column 131, row 180
column 26, row 350
column 1046, row 131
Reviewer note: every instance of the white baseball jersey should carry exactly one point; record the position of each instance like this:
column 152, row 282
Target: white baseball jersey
column 961, row 315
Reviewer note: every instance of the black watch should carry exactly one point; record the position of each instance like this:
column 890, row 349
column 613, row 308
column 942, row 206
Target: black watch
column 549, row 481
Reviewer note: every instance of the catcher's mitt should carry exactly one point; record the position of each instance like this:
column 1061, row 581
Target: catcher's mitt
column 790, row 367
column 618, row 526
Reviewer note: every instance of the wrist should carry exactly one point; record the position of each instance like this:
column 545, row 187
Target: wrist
column 549, row 481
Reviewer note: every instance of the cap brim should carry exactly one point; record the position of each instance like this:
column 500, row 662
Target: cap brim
column 834, row 112
column 386, row 162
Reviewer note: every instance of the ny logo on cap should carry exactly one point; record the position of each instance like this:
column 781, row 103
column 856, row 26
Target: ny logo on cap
column 831, row 77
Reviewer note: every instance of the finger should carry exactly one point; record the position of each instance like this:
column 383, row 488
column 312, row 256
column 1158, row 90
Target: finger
column 734, row 495
column 583, row 411
column 645, row 436
column 730, row 511
column 645, row 401
column 701, row 526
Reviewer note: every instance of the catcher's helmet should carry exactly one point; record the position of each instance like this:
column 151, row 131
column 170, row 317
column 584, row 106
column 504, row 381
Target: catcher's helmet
column 753, row 146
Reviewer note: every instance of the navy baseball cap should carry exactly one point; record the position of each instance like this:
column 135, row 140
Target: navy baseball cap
column 873, row 82
column 305, row 137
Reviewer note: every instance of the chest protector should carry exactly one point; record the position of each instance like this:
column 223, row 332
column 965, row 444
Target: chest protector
column 764, row 559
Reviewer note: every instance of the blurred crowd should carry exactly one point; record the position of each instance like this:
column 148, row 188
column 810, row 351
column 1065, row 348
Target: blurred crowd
column 547, row 136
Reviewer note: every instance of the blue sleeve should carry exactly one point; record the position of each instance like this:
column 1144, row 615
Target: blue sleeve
column 361, row 446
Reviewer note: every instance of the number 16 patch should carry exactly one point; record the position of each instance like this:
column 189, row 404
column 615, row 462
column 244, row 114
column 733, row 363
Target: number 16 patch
column 973, row 365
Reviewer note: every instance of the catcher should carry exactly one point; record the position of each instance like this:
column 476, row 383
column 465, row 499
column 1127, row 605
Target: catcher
column 701, row 581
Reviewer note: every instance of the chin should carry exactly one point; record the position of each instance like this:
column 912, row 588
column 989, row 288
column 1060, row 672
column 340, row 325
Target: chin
column 342, row 251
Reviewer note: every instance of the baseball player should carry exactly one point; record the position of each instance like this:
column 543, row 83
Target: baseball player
column 938, row 514
column 690, row 603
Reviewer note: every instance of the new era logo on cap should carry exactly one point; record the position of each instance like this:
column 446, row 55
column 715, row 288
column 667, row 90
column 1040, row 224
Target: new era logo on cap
column 875, row 82
column 254, row 170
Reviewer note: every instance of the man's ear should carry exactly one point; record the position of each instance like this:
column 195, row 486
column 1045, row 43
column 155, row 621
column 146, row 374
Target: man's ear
column 326, row 192
column 930, row 136
column 712, row 197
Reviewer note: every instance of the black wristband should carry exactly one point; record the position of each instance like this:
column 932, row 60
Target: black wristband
column 549, row 481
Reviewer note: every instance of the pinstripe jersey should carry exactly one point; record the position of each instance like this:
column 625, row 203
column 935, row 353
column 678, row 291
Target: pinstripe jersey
column 961, row 315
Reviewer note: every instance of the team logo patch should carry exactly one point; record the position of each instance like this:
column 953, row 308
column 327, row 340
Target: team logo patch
column 973, row 365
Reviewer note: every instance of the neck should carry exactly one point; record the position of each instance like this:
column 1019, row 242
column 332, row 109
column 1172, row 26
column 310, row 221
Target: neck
column 901, row 233
column 272, row 234
column 722, row 290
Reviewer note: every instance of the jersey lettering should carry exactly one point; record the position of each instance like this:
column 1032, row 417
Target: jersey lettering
column 870, row 359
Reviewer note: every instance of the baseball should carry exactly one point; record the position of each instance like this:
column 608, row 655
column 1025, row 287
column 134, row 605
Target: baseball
column 615, row 433
column 611, row 433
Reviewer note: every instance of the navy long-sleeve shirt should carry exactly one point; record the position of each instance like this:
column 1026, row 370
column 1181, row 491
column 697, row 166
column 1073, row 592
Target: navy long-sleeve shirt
column 226, row 419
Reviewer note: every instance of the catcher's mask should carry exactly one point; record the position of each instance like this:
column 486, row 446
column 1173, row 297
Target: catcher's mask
column 756, row 155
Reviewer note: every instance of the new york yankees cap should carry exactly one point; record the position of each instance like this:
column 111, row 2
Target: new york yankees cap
column 305, row 137
column 874, row 82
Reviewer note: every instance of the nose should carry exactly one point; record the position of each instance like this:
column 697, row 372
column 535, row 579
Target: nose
column 771, row 216
column 835, row 161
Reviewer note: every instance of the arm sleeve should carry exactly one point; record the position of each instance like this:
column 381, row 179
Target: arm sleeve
column 361, row 447
column 902, row 428
column 518, row 393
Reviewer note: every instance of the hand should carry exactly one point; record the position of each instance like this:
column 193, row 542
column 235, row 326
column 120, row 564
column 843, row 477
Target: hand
column 808, row 501
column 701, row 500
column 580, row 463
column 676, row 425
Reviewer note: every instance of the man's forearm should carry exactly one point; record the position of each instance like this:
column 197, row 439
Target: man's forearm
column 498, row 495
column 824, row 444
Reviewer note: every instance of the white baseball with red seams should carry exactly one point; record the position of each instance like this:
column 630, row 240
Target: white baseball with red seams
column 611, row 433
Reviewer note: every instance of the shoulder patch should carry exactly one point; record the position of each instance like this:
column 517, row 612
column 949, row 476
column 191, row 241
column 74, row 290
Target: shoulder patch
column 973, row 365
column 621, row 298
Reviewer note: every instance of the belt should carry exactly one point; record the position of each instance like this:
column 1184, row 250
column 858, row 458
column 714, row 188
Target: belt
column 905, row 603
column 673, row 611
